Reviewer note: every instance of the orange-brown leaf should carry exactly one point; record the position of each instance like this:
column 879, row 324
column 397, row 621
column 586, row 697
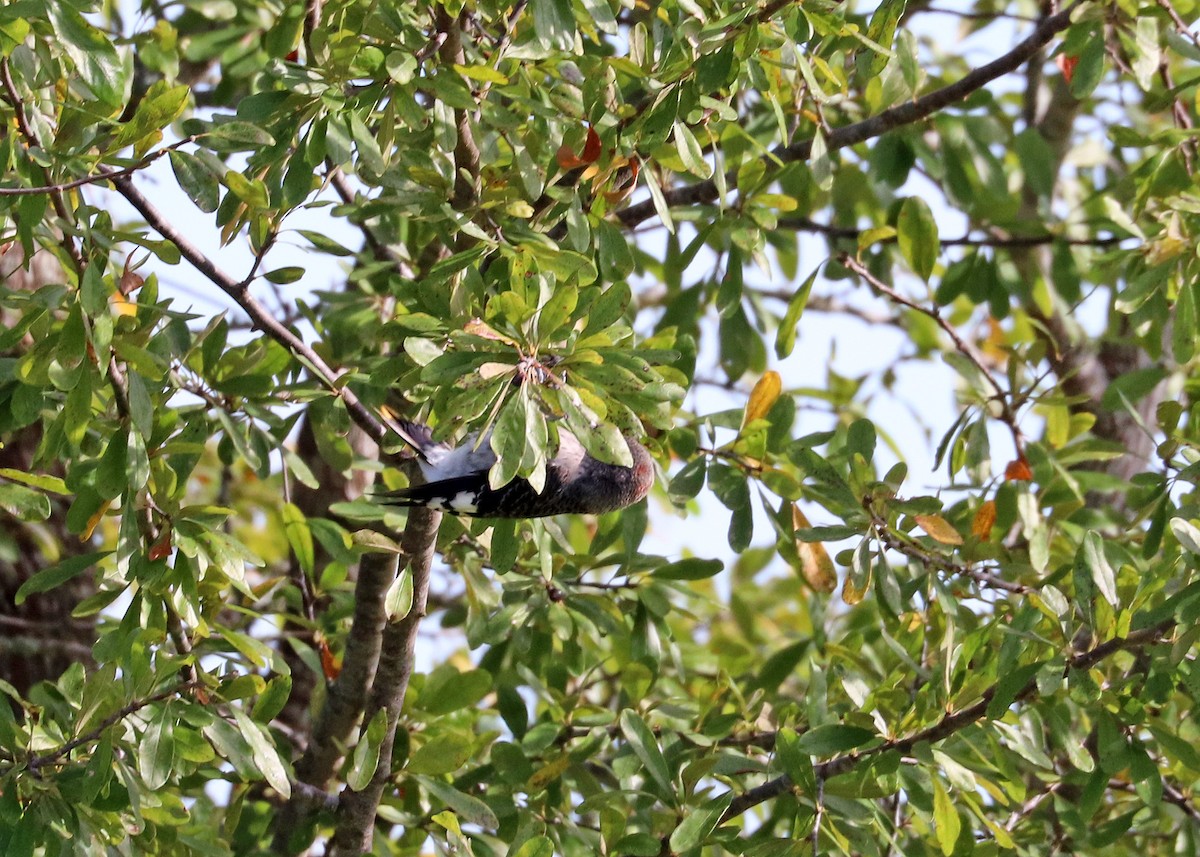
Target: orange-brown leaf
column 852, row 594
column 329, row 664
column 985, row 517
column 939, row 529
column 815, row 563
column 1066, row 64
column 479, row 327
column 161, row 549
column 94, row 521
column 1018, row 470
column 568, row 160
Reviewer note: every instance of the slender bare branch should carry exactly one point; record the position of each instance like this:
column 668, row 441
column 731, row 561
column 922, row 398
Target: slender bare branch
column 805, row 224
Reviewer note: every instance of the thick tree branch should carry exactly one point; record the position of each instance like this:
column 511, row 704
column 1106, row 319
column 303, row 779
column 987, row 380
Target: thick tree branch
column 347, row 694
column 895, row 117
column 466, row 152
column 357, row 810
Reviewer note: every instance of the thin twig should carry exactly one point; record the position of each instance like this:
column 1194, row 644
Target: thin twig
column 1002, row 397
column 850, row 233
column 11, row 95
column 33, row 763
column 97, row 177
column 927, row 558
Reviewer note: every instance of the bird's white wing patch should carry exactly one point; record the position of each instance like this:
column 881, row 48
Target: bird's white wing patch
column 464, row 502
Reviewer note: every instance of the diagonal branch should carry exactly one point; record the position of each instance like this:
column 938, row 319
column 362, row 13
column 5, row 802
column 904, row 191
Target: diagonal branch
column 260, row 316
column 896, row 117
column 948, row 725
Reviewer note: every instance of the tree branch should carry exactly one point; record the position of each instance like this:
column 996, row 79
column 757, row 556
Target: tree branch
column 260, row 316
column 347, row 694
column 849, row 233
column 33, row 763
column 895, row 117
column 948, row 725
column 357, row 810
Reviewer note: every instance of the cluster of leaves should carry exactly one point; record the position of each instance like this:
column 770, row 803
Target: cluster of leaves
column 1011, row 665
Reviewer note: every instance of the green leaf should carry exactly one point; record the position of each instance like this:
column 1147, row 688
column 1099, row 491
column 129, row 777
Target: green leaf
column 299, row 536
column 470, row 809
column 690, row 152
column 554, row 23
column 509, row 442
column 41, row 481
column 794, row 760
column 917, row 236
column 945, row 817
column 505, row 545
column 366, row 752
column 262, row 749
column 789, row 325
column 1183, row 332
column 156, row 750
column 645, row 747
column 250, row 191
column 97, row 65
column 1009, row 687
column 1187, row 533
column 284, row 276
column 449, row 690
column 833, row 738
column 442, row 754
column 557, row 311
column 161, row 106
column 271, row 701
column 399, row 598
column 23, row 503
column 693, row 568
column 1097, row 563
column 881, row 31
column 58, row 574
column 537, row 846
column 610, row 307
column 698, row 824
column 688, row 481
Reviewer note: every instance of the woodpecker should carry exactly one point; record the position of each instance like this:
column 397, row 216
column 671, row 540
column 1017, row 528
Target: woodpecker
column 456, row 479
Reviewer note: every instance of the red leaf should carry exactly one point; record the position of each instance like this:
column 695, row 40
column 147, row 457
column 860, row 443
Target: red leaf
column 1018, row 470
column 329, row 664
column 568, row 160
column 1066, row 65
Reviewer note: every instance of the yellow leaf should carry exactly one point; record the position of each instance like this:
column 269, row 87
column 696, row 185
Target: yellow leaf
column 94, row 521
column 548, row 773
column 985, row 517
column 939, row 529
column 762, row 397
column 853, row 594
column 815, row 563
